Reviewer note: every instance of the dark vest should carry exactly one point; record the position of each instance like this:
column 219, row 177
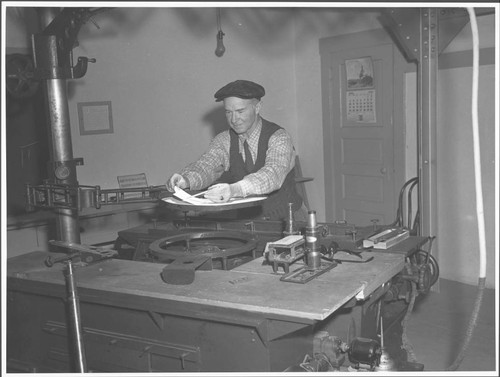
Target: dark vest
column 275, row 207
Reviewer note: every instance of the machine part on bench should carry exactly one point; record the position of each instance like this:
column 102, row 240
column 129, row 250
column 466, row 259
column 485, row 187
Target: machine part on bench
column 290, row 227
column 313, row 253
column 215, row 244
column 284, row 252
column 304, row 274
column 78, row 253
column 181, row 271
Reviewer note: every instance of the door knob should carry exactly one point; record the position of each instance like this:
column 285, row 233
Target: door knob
column 383, row 170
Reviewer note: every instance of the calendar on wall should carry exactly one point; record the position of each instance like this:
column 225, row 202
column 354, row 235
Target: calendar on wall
column 360, row 106
column 360, row 94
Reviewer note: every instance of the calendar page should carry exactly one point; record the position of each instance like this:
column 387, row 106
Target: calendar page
column 361, row 106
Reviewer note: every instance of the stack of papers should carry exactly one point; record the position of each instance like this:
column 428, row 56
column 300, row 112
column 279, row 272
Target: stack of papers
column 190, row 199
column 183, row 195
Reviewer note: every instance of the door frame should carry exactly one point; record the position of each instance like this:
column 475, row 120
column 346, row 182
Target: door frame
column 363, row 39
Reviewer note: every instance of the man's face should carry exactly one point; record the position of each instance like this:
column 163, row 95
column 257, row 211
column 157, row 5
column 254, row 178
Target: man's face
column 241, row 114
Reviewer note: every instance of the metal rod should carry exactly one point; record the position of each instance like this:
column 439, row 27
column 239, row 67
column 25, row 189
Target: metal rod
column 74, row 319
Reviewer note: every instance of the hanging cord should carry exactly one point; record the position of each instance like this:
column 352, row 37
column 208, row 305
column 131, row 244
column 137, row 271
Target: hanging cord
column 479, row 197
column 406, row 344
column 219, row 51
column 219, row 24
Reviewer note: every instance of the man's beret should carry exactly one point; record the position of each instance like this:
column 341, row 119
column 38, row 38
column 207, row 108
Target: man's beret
column 241, row 89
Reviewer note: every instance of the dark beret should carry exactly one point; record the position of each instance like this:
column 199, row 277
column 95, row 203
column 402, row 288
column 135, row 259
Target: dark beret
column 241, row 89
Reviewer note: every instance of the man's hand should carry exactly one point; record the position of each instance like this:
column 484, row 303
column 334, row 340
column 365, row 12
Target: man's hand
column 219, row 193
column 176, row 180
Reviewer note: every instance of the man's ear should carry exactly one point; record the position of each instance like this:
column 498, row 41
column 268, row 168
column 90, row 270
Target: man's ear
column 258, row 106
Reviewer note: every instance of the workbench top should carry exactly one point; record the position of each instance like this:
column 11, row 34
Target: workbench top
column 252, row 287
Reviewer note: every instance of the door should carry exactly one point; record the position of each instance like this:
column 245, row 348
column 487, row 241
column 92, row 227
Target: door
column 363, row 168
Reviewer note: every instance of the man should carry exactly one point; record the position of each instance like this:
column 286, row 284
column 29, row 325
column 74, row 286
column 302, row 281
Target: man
column 253, row 157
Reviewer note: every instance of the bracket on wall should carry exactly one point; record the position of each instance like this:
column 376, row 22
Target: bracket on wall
column 404, row 25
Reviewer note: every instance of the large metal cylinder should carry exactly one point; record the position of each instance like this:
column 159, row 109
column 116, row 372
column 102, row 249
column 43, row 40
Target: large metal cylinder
column 62, row 168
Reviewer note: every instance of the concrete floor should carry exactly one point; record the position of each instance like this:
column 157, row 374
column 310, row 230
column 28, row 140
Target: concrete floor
column 438, row 324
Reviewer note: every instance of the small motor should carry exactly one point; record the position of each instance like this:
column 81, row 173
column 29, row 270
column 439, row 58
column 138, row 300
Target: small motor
column 364, row 353
column 329, row 354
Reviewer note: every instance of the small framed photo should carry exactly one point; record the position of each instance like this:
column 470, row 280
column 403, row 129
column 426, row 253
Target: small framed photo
column 359, row 73
column 95, row 118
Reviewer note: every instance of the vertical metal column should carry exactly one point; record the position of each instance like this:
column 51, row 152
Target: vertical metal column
column 427, row 145
column 63, row 167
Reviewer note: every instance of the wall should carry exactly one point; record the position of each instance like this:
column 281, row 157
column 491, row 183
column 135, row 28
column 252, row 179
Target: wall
column 457, row 226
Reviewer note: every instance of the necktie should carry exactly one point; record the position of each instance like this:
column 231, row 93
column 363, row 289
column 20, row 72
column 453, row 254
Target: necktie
column 248, row 157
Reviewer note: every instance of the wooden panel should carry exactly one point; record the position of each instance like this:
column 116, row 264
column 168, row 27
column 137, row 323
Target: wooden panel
column 251, row 287
column 358, row 217
column 362, row 187
column 367, row 151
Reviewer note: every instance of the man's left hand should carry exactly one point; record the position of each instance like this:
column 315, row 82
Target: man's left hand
column 219, row 193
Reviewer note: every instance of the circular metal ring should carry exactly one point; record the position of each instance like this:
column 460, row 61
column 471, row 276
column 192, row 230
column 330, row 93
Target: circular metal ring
column 216, row 244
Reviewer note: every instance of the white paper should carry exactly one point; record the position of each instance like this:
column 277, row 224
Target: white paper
column 183, row 195
column 190, row 199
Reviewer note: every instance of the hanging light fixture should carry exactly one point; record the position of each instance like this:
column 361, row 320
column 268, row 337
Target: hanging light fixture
column 219, row 51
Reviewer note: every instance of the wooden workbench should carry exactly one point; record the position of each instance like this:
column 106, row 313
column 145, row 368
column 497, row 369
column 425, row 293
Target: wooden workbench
column 244, row 319
column 251, row 287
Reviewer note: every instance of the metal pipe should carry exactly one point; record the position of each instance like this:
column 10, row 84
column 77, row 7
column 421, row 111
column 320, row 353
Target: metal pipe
column 74, row 319
column 63, row 168
column 66, row 219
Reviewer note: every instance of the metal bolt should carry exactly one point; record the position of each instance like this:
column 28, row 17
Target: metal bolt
column 353, row 234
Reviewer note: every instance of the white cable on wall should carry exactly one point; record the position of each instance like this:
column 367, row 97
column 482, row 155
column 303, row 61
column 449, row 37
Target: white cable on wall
column 477, row 148
column 479, row 195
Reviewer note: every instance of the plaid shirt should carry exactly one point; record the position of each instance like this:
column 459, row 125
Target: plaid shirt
column 280, row 160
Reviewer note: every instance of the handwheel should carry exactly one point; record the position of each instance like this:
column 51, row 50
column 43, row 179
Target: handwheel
column 20, row 83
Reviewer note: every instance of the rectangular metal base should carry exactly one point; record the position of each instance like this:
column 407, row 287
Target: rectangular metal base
column 304, row 274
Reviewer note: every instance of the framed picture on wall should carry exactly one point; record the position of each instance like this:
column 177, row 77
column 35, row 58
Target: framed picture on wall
column 95, row 118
